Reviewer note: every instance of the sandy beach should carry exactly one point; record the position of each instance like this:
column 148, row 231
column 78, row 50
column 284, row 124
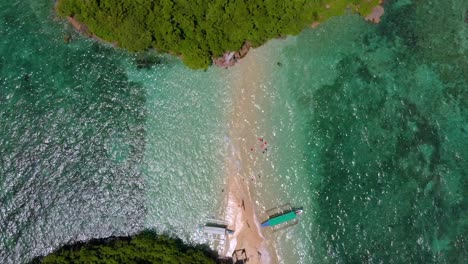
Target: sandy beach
column 241, row 160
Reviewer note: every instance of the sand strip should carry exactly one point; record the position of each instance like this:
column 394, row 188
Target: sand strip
column 244, row 125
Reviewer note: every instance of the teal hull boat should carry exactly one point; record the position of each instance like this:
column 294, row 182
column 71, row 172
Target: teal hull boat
column 282, row 218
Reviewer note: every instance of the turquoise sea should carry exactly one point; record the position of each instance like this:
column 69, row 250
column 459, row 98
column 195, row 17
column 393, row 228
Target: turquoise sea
column 368, row 128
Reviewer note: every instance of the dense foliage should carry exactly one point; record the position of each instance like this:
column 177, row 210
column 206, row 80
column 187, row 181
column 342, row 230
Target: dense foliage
column 146, row 247
column 199, row 30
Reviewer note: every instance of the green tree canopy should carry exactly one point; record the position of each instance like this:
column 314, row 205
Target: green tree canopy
column 199, row 30
column 146, row 247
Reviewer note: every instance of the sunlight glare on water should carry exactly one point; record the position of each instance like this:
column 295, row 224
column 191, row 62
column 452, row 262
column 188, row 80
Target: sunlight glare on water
column 366, row 125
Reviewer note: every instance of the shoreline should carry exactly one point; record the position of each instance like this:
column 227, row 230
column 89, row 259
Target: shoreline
column 244, row 125
column 374, row 16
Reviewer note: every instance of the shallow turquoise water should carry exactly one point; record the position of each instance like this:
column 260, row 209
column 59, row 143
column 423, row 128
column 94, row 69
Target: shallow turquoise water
column 368, row 131
column 97, row 142
column 72, row 135
column 379, row 116
column 184, row 155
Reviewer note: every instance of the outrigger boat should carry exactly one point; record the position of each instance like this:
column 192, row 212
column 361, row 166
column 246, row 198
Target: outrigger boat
column 217, row 229
column 215, row 232
column 289, row 215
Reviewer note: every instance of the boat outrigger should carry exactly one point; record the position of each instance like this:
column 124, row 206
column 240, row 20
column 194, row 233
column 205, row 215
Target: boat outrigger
column 285, row 215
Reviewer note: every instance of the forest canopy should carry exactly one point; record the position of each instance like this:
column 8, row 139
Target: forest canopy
column 146, row 247
column 199, row 30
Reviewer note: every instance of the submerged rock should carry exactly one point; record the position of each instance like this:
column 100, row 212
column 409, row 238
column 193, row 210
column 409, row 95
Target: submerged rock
column 377, row 13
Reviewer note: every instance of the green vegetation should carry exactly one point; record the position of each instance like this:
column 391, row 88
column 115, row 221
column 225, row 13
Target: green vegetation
column 198, row 30
column 146, row 247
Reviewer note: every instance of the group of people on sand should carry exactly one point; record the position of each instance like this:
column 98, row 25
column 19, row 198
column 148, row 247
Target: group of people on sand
column 261, row 146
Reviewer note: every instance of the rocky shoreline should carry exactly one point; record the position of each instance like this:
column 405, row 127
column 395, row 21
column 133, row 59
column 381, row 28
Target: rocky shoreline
column 230, row 58
column 83, row 30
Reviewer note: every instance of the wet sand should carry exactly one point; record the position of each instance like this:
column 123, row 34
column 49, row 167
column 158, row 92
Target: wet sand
column 241, row 162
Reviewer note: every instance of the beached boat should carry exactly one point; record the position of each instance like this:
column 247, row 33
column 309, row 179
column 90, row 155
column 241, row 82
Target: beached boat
column 215, row 232
column 282, row 217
